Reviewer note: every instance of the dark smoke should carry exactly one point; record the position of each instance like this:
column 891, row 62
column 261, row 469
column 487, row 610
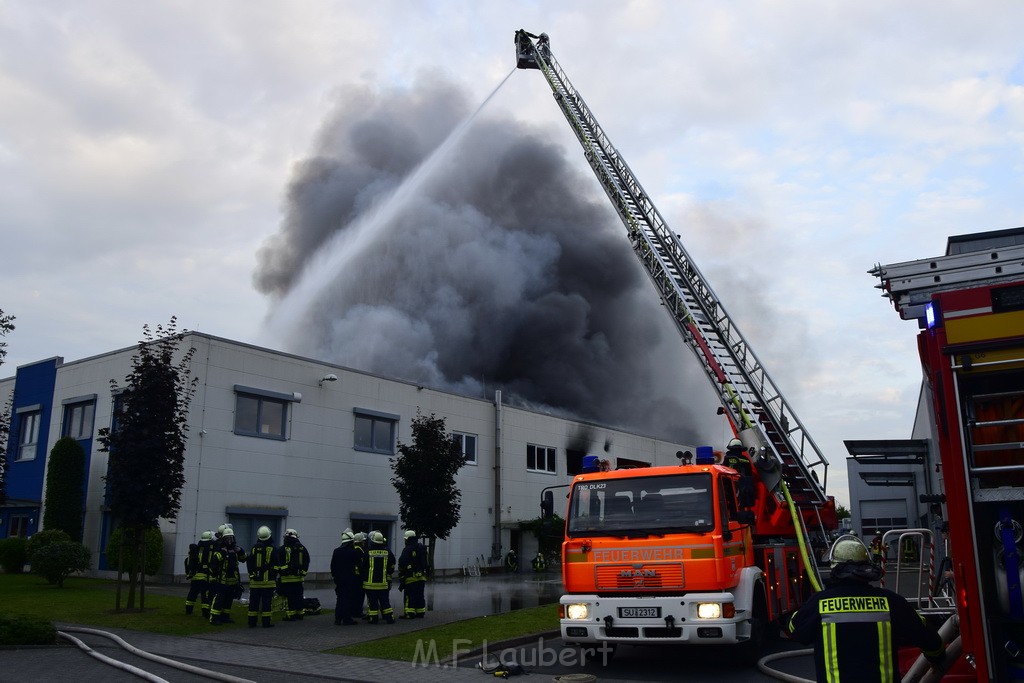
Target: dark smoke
column 509, row 271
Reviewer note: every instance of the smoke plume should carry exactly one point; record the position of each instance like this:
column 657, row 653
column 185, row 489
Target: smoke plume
column 507, row 270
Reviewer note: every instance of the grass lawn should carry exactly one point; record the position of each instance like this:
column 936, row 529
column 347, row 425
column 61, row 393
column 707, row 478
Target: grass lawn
column 465, row 636
column 90, row 602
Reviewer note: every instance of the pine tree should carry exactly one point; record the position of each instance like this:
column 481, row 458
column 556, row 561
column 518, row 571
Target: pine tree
column 65, row 481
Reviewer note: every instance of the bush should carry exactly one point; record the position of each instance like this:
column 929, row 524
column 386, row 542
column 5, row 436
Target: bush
column 13, row 554
column 25, row 630
column 65, row 479
column 44, row 538
column 56, row 561
column 154, row 551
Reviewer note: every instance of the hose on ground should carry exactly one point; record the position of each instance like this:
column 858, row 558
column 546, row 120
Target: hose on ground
column 141, row 673
column 216, row 675
column 763, row 667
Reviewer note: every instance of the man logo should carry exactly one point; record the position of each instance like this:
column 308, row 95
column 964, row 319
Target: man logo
column 637, row 573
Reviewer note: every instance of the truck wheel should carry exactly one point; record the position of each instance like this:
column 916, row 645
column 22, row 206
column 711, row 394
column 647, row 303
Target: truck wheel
column 750, row 652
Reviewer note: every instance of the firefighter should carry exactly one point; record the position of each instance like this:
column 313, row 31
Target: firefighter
column 539, row 563
column 856, row 627
column 412, row 576
column 359, row 598
column 262, row 565
column 878, row 549
column 293, row 564
column 736, row 457
column 197, row 571
column 378, row 565
column 346, row 569
column 225, row 577
column 511, row 562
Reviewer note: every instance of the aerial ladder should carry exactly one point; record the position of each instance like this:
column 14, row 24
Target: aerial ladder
column 785, row 454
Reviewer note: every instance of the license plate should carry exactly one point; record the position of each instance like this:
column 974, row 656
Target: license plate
column 639, row 612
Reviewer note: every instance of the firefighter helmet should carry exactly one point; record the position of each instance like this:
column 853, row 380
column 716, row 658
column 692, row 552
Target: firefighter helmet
column 263, row 533
column 206, row 536
column 848, row 549
column 221, row 528
column 410, row 534
column 359, row 536
column 734, row 444
column 291, row 532
column 378, row 538
column 346, row 537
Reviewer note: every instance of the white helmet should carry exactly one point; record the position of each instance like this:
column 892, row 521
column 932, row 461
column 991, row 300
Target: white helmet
column 734, row 444
column 346, row 537
column 378, row 538
column 206, row 536
column 359, row 536
column 263, row 533
column 291, row 532
column 410, row 534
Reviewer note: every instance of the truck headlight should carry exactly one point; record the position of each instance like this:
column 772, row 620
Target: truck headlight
column 709, row 610
column 578, row 610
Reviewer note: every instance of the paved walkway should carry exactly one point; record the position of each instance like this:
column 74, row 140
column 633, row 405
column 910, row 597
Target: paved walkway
column 292, row 651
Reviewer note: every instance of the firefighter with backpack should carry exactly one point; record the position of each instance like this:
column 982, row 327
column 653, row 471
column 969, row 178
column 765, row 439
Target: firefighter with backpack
column 412, row 576
column 197, row 571
column 262, row 565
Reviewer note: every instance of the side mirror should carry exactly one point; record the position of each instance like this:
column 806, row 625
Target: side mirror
column 547, row 504
column 746, row 517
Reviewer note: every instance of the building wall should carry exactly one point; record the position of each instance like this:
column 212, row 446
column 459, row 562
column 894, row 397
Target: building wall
column 315, row 480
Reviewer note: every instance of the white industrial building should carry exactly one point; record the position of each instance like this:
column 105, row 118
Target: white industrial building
column 293, row 442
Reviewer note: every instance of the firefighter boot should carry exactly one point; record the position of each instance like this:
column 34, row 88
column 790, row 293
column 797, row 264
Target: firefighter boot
column 206, row 613
column 252, row 622
column 189, row 609
column 266, row 623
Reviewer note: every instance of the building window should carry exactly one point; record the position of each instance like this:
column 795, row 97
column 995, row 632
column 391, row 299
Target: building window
column 540, row 458
column 28, row 434
column 78, row 418
column 20, row 526
column 467, row 446
column 374, row 431
column 261, row 413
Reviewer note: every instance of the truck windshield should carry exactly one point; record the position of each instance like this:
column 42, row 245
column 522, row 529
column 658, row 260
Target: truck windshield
column 642, row 505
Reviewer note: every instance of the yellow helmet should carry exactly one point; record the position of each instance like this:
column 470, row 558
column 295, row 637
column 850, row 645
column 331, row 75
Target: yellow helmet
column 848, row 549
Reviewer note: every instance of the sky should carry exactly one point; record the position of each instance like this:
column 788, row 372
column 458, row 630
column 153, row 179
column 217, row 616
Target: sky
column 370, row 183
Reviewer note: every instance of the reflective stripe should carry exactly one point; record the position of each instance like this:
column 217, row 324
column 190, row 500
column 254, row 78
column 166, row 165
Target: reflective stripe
column 884, row 652
column 830, row 652
column 854, row 617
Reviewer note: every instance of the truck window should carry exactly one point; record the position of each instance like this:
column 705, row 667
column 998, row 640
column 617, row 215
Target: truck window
column 639, row 505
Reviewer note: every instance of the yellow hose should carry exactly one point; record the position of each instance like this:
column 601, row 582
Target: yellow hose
column 812, row 570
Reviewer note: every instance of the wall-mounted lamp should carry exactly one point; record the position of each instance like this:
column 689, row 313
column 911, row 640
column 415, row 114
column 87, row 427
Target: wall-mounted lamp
column 327, row 378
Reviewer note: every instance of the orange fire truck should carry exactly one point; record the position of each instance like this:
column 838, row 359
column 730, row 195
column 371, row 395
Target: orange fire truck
column 686, row 554
column 969, row 304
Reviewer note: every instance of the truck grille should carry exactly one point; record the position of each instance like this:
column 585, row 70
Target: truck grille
column 626, row 577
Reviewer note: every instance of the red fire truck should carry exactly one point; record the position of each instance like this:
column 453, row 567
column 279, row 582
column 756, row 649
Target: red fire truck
column 969, row 304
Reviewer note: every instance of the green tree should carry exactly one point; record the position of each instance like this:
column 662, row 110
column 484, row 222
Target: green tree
column 147, row 441
column 6, row 326
column 842, row 512
column 65, row 479
column 429, row 501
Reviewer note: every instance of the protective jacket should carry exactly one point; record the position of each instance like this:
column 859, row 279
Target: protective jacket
column 378, row 565
column 293, row 562
column 347, row 565
column 856, row 629
column 224, row 567
column 412, row 563
column 197, row 562
column 262, row 565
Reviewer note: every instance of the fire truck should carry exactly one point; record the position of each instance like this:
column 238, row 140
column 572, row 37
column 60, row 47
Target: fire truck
column 698, row 553
column 969, row 305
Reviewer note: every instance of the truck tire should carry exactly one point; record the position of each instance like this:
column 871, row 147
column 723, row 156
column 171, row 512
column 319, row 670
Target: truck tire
column 749, row 653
